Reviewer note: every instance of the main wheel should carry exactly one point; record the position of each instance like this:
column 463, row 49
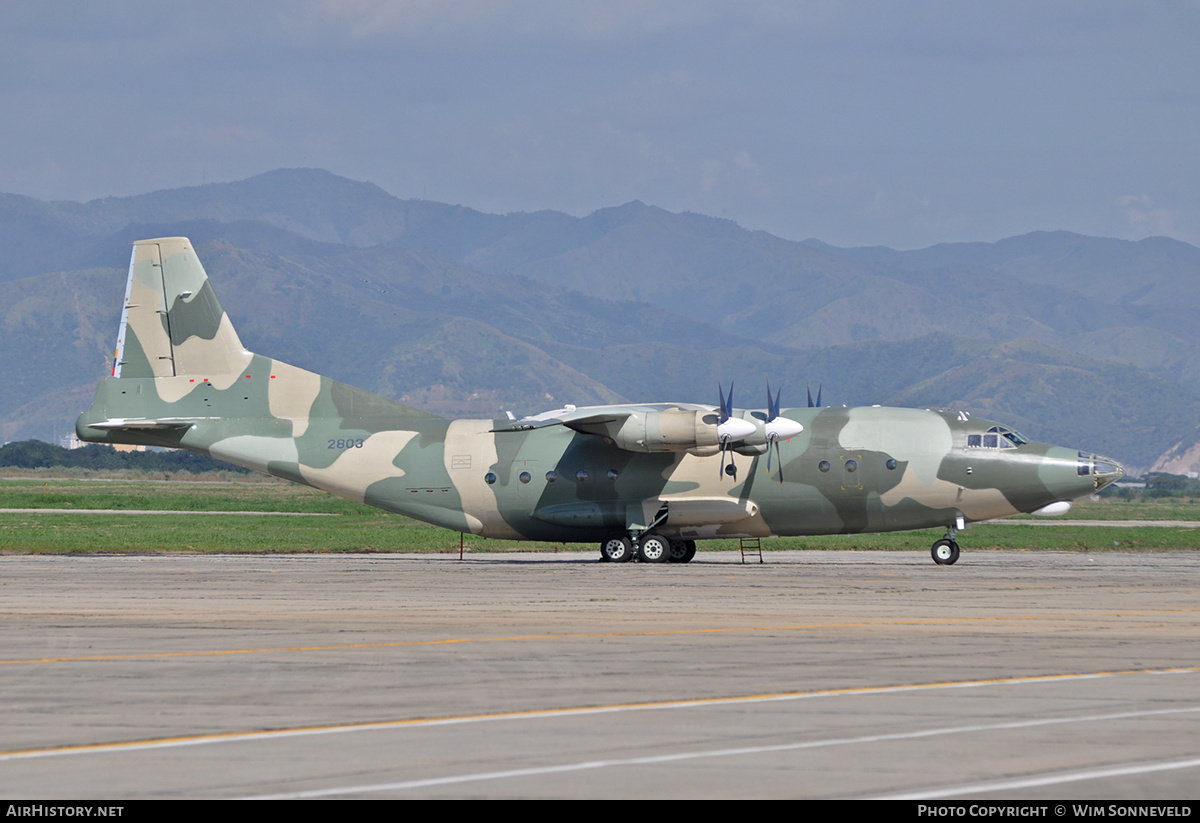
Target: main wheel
column 945, row 552
column 682, row 550
column 653, row 548
column 616, row 549
column 691, row 550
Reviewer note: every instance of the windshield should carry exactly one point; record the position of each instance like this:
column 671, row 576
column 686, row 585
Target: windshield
column 997, row 437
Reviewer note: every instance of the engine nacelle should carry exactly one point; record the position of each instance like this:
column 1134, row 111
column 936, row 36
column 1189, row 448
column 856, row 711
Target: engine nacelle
column 671, row 430
column 695, row 431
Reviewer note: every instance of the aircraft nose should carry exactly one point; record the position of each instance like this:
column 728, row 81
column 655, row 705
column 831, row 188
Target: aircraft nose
column 1106, row 471
column 1071, row 474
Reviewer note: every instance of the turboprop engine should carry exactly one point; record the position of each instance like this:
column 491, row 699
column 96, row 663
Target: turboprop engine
column 697, row 430
column 671, row 430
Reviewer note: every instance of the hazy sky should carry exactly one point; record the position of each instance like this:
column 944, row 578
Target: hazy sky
column 903, row 124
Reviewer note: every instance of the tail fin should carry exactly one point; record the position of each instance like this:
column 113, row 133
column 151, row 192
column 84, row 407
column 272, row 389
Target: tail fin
column 173, row 325
column 178, row 358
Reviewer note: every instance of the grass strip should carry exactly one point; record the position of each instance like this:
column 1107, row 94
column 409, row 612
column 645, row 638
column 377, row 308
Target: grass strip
column 359, row 528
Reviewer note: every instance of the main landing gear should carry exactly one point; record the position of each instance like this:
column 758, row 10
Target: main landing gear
column 648, row 547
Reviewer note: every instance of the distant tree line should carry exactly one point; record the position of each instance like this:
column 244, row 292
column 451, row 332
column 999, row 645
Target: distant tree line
column 1158, row 484
column 36, row 454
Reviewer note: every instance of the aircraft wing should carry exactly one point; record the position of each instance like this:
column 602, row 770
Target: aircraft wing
column 587, row 420
column 657, row 427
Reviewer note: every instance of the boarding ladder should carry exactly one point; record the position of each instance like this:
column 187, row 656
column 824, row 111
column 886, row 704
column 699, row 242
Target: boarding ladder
column 751, row 545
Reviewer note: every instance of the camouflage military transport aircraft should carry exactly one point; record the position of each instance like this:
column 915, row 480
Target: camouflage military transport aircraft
column 640, row 480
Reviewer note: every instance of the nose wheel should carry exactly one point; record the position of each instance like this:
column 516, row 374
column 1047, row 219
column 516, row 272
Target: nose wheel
column 945, row 552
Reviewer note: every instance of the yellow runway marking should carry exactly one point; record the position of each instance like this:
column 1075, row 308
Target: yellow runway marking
column 570, row 711
column 589, row 635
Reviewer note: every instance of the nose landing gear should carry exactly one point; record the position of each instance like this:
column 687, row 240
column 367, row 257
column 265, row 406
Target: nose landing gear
column 945, row 552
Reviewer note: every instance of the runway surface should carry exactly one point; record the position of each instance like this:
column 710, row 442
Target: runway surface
column 816, row 674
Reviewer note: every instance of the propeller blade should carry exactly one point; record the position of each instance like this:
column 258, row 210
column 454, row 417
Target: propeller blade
column 721, row 470
column 780, row 462
column 724, row 441
column 772, row 413
column 772, row 403
column 811, row 404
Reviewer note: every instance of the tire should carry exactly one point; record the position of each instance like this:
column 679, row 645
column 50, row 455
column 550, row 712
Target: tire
column 616, row 549
column 682, row 550
column 945, row 552
column 654, row 548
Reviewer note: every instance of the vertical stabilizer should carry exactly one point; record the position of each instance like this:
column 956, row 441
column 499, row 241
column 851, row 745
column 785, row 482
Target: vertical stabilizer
column 172, row 323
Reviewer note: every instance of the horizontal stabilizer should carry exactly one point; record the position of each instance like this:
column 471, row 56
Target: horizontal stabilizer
column 142, row 424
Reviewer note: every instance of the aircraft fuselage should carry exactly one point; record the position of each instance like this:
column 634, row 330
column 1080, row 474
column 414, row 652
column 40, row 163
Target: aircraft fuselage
column 857, row 469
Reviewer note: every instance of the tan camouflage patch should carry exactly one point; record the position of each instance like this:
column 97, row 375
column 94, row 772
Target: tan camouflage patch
column 356, row 469
column 144, row 312
column 935, row 494
column 214, row 359
column 291, row 393
column 174, row 389
column 985, row 504
column 469, row 454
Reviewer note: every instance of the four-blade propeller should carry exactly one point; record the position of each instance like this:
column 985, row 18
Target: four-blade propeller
column 776, row 428
column 730, row 429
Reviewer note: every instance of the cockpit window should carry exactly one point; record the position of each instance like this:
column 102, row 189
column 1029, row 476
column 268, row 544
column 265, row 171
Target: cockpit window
column 1012, row 437
column 997, row 437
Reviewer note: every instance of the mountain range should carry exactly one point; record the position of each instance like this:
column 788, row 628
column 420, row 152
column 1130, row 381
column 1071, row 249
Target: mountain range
column 1086, row 342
